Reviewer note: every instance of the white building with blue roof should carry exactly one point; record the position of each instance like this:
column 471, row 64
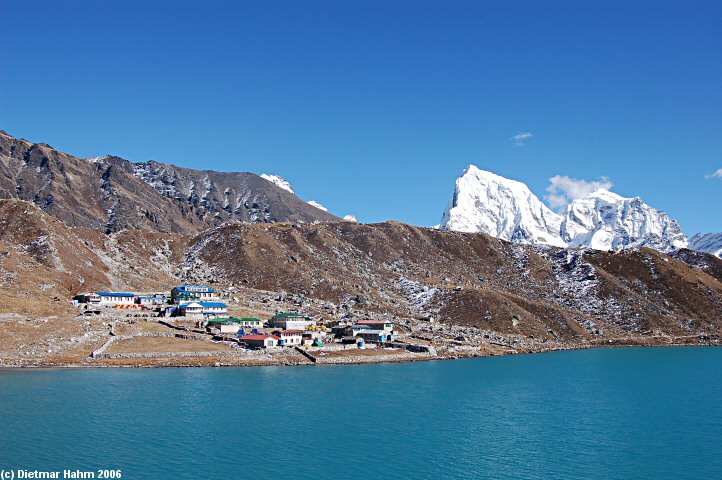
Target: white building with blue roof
column 192, row 293
column 116, row 298
column 204, row 310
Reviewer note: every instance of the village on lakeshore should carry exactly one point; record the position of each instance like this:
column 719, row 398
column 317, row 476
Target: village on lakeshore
column 199, row 309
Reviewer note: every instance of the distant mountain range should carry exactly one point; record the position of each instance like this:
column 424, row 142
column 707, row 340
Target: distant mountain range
column 602, row 220
column 111, row 194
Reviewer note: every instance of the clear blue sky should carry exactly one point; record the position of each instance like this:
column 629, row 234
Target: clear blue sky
column 374, row 108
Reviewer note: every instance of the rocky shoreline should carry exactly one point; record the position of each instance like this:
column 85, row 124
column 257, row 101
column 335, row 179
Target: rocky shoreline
column 287, row 357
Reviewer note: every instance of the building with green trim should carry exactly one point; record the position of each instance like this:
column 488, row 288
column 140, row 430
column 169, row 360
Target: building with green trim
column 237, row 323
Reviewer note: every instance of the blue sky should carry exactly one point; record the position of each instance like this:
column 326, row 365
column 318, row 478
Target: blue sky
column 374, row 108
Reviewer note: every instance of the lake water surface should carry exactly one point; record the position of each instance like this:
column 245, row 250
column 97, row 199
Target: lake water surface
column 605, row 413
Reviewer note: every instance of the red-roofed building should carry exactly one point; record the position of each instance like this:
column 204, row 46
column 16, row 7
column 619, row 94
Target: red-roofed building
column 289, row 338
column 260, row 341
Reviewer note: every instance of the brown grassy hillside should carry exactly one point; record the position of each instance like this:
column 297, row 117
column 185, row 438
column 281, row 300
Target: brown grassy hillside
column 467, row 279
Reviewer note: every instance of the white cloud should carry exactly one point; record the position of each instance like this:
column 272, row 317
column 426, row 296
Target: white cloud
column 520, row 138
column 717, row 174
column 562, row 189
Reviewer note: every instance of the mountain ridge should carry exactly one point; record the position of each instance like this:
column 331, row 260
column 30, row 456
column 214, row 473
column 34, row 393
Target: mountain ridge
column 707, row 242
column 111, row 193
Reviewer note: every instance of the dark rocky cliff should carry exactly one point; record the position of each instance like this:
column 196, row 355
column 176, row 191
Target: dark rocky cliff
column 112, row 194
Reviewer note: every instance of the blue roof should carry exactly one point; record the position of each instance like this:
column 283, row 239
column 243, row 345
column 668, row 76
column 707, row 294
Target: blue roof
column 212, row 304
column 195, row 288
column 115, row 294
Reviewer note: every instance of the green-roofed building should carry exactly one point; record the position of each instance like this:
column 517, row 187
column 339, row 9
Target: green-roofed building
column 246, row 322
column 250, row 322
column 233, row 324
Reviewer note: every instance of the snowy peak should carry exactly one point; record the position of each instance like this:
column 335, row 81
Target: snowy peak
column 486, row 202
column 605, row 195
column 98, row 160
column 606, row 221
column 314, row 203
column 707, row 242
column 279, row 182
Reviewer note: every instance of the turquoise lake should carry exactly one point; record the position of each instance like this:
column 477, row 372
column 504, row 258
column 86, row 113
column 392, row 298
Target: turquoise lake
column 605, row 413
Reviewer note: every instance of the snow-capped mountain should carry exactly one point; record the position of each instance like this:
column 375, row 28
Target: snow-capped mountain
column 707, row 242
column 350, row 218
column 606, row 221
column 278, row 181
column 485, row 202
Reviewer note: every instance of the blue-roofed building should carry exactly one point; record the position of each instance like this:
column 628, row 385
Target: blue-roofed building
column 192, row 293
column 116, row 298
column 204, row 310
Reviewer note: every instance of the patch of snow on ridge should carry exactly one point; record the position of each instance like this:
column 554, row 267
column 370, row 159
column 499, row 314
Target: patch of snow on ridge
column 314, row 203
column 418, row 295
column 159, row 178
column 708, row 243
column 279, row 182
column 98, row 159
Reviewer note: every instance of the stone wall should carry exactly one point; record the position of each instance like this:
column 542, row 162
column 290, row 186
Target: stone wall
column 100, row 353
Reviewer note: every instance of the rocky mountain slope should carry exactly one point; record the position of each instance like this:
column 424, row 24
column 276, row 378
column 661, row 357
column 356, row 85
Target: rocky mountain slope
column 111, row 194
column 43, row 262
column 707, row 242
column 443, row 286
column 485, row 202
column 534, row 293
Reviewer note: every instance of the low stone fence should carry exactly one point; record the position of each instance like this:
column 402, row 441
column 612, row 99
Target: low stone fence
column 403, row 356
column 100, row 353
column 333, row 347
column 164, row 354
column 97, row 353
